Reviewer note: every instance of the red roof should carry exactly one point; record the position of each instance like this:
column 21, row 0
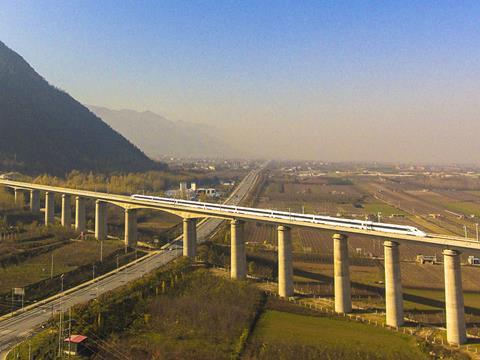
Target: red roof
column 76, row 339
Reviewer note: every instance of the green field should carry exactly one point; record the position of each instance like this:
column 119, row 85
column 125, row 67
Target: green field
column 381, row 207
column 65, row 259
column 471, row 299
column 331, row 337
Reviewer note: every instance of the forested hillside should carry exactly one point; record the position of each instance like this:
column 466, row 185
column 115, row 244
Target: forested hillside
column 44, row 129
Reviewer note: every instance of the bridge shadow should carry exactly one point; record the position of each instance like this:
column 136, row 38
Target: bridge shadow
column 360, row 286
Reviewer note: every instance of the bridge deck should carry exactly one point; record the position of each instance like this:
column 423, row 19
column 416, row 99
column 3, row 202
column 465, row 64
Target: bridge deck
column 438, row 240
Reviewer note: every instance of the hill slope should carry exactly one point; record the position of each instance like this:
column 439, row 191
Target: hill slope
column 158, row 136
column 45, row 129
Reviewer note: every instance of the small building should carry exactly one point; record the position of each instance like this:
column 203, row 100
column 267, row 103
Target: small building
column 227, row 182
column 427, row 259
column 183, row 186
column 209, row 192
column 472, row 260
column 75, row 345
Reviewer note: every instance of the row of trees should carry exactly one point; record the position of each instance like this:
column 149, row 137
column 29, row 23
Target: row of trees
column 125, row 183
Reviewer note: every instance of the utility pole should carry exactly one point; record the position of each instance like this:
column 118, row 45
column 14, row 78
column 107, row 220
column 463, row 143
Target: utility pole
column 465, row 229
column 93, row 278
column 60, row 332
column 60, row 322
column 51, row 269
column 101, row 251
column 476, row 228
column 69, row 330
column 117, row 262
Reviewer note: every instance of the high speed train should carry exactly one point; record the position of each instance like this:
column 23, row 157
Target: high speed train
column 274, row 214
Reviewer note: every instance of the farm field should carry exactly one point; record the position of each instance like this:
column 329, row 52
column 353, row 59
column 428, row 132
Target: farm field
column 458, row 202
column 433, row 208
column 310, row 241
column 401, row 201
column 299, row 334
column 66, row 258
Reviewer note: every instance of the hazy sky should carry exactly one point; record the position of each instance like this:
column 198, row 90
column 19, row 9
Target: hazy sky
column 329, row 80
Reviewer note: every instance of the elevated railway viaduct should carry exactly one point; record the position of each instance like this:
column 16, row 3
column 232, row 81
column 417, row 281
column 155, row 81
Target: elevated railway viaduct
column 452, row 246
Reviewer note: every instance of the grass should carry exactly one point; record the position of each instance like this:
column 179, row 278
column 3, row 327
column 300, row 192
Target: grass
column 462, row 207
column 195, row 315
column 65, row 258
column 429, row 226
column 355, row 338
column 35, row 347
column 471, row 299
column 383, row 208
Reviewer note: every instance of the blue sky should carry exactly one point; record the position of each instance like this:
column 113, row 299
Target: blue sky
column 332, row 80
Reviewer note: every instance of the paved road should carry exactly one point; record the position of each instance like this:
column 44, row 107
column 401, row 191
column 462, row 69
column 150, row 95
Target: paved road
column 14, row 329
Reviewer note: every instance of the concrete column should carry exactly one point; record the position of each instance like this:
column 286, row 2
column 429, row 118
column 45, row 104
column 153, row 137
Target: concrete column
column 393, row 284
column 285, row 263
column 455, row 313
column 80, row 219
column 49, row 208
column 130, row 228
column 19, row 197
column 238, row 258
column 343, row 297
column 100, row 220
column 189, row 237
column 35, row 201
column 66, row 211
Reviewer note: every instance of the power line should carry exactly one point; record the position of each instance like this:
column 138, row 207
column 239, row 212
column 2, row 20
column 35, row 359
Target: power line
column 118, row 355
column 107, row 346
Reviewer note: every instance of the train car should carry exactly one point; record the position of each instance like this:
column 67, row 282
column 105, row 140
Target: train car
column 275, row 214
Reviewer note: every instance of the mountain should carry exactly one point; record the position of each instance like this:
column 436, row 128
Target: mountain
column 43, row 129
column 158, row 136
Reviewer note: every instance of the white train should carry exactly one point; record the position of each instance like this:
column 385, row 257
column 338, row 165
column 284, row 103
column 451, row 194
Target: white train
column 274, row 214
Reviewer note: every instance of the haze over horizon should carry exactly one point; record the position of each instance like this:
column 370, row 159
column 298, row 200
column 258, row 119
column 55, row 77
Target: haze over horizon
column 336, row 81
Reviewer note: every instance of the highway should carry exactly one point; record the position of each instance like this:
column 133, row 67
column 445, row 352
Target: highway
column 14, row 329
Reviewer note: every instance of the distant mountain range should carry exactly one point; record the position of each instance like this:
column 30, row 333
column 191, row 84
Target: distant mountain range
column 43, row 129
column 159, row 136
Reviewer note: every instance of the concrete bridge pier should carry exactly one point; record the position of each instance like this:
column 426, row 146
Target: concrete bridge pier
column 49, row 208
column 19, row 197
column 66, row 211
column 35, row 201
column 238, row 259
column 80, row 219
column 393, row 284
column 100, row 220
column 189, row 237
column 455, row 312
column 131, row 234
column 343, row 297
column 285, row 262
